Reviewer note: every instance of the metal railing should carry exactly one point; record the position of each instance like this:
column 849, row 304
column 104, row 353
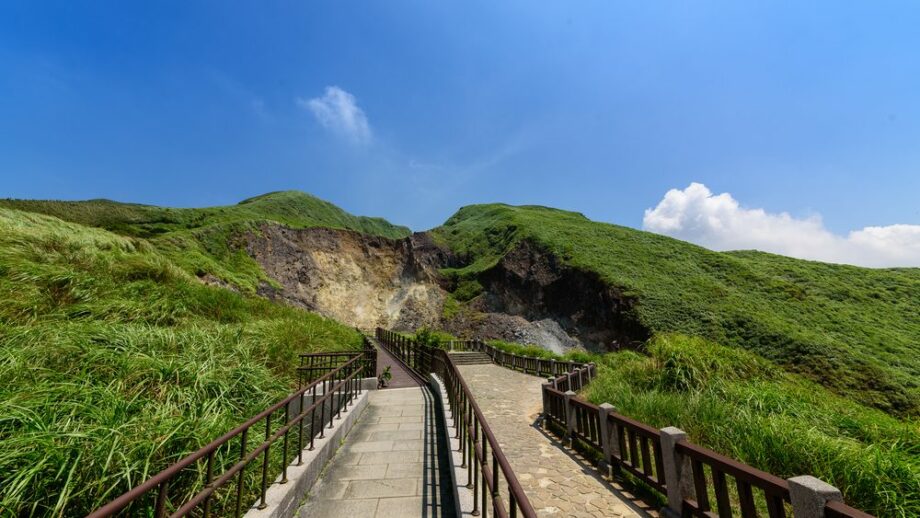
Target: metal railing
column 527, row 364
column 315, row 365
column 305, row 415
column 480, row 451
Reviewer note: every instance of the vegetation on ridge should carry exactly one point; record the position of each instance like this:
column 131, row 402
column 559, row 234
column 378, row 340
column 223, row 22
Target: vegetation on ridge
column 115, row 362
column 206, row 241
column 854, row 330
column 294, row 209
column 115, row 359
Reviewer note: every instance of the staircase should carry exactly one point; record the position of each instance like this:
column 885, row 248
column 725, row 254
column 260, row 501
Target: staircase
column 470, row 358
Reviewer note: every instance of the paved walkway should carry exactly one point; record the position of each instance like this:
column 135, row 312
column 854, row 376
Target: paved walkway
column 390, row 465
column 556, row 484
column 402, row 377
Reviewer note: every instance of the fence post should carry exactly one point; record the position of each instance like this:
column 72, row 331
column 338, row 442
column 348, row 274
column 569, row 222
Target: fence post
column 543, row 391
column 569, row 418
column 610, row 440
column 552, row 367
column 809, row 495
column 677, row 477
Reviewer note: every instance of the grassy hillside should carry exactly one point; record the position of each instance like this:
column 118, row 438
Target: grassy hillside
column 204, row 241
column 854, row 330
column 739, row 404
column 292, row 208
column 115, row 362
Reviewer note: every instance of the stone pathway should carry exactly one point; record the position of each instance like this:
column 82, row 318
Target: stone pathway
column 402, row 377
column 390, row 465
column 555, row 483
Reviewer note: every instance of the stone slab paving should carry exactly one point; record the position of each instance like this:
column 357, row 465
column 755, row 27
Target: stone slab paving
column 390, row 464
column 402, row 377
column 556, row 484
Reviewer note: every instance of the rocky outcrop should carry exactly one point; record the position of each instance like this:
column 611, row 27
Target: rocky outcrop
column 367, row 281
column 363, row 280
column 534, row 284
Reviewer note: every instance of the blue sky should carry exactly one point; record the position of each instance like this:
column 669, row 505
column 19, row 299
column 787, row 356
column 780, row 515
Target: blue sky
column 806, row 108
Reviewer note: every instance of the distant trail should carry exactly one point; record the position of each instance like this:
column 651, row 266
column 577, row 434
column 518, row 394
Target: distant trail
column 556, row 484
column 402, row 378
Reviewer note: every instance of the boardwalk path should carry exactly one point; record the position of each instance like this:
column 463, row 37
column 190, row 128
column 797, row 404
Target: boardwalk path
column 391, row 463
column 555, row 483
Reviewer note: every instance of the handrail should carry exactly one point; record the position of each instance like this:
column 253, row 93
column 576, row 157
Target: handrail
column 527, row 364
column 340, row 386
column 513, row 483
column 835, row 509
column 633, row 446
column 306, row 355
column 477, row 441
column 315, row 363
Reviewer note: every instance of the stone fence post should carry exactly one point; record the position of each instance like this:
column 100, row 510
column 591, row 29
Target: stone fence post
column 569, row 418
column 677, row 474
column 809, row 495
column 610, row 438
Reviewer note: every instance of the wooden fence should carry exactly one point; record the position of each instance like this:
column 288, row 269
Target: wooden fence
column 695, row 480
column 705, row 483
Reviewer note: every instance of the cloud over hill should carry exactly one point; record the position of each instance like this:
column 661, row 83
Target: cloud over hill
column 719, row 222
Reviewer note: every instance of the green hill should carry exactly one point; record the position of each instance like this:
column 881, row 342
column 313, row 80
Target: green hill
column 294, row 209
column 116, row 358
column 201, row 241
column 854, row 330
column 115, row 361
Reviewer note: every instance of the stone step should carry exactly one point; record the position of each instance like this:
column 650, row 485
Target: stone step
column 470, row 358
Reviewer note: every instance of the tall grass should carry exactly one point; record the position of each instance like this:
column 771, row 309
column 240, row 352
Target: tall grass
column 854, row 330
column 746, row 407
column 114, row 362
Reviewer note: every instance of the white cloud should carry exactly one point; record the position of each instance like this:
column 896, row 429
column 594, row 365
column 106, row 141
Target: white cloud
column 719, row 222
column 338, row 111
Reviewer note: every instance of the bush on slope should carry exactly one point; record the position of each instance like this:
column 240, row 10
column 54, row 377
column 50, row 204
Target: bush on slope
column 114, row 362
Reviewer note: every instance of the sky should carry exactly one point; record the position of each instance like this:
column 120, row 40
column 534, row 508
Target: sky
column 791, row 127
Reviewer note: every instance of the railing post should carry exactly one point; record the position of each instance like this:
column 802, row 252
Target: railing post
column 809, row 495
column 569, row 418
column 546, row 409
column 610, row 440
column 677, row 476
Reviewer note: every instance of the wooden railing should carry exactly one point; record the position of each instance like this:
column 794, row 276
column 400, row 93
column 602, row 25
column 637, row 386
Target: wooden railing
column 695, row 480
column 494, row 484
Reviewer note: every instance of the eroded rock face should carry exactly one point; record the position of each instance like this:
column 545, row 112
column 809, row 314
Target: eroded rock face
column 367, row 281
column 534, row 284
column 362, row 280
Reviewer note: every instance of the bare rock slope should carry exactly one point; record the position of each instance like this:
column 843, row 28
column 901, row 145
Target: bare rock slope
column 368, row 281
column 362, row 280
